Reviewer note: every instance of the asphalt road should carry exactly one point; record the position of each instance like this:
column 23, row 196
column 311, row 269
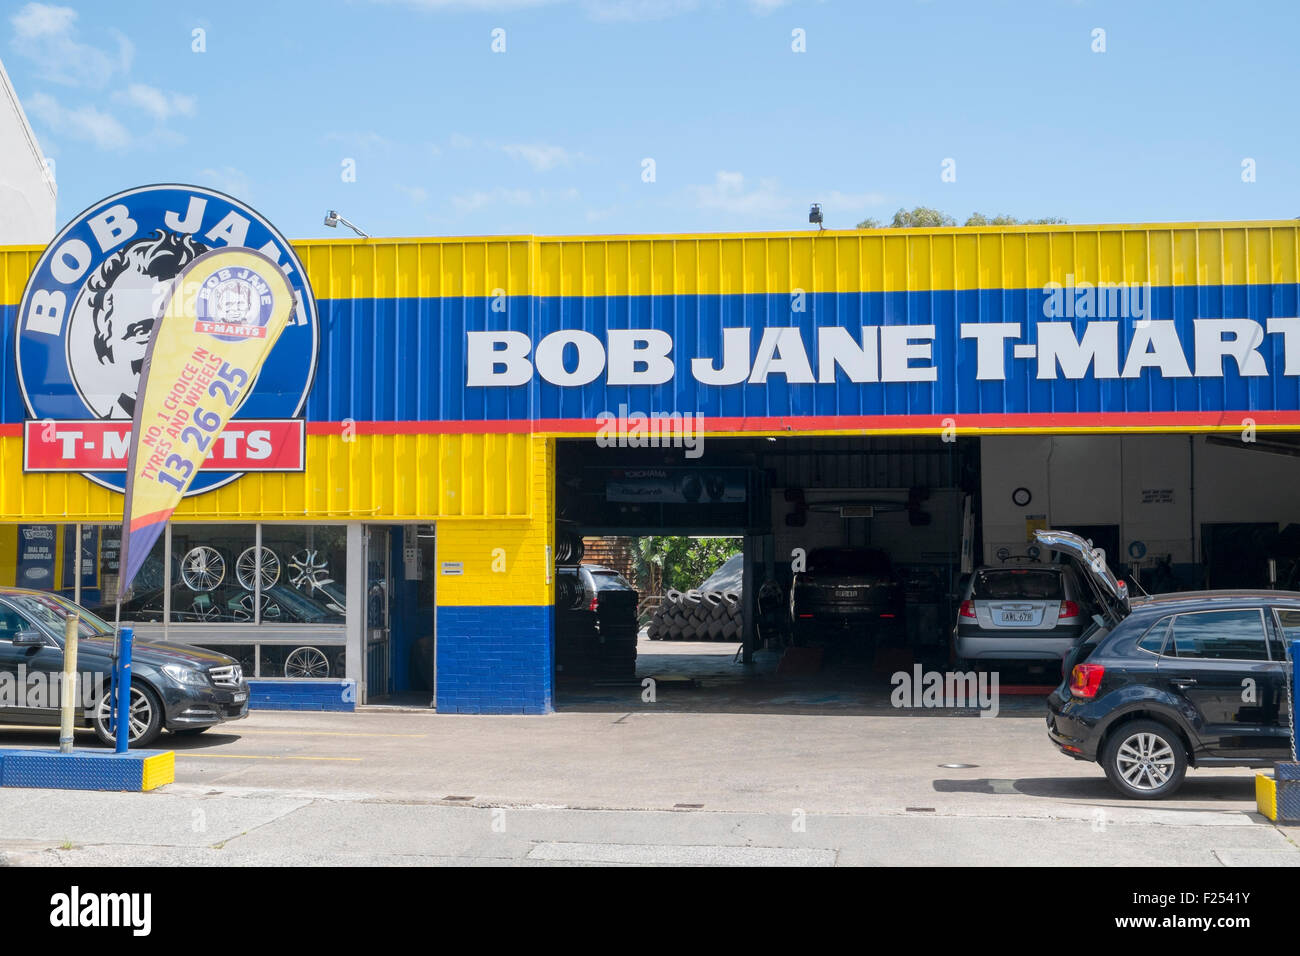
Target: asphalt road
column 644, row 786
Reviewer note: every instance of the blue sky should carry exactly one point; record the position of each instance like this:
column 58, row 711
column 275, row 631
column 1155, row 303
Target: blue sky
column 549, row 136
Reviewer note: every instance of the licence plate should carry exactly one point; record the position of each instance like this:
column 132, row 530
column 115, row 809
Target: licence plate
column 850, row 593
column 239, row 698
column 1017, row 617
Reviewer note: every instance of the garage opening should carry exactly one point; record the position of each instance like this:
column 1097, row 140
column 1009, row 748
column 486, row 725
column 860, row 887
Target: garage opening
column 880, row 523
column 892, row 534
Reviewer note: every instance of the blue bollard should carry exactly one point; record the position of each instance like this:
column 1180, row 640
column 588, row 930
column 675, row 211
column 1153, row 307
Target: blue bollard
column 122, row 687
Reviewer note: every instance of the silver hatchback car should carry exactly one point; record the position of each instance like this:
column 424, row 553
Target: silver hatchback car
column 1030, row 613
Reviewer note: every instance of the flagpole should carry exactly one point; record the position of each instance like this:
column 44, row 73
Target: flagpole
column 115, row 718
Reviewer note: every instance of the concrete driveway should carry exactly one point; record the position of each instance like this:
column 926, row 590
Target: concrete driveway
column 642, row 786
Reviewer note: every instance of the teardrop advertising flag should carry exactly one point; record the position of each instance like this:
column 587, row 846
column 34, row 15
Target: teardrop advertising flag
column 221, row 317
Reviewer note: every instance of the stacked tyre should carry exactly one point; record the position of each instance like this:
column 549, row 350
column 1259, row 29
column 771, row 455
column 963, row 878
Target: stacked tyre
column 697, row 616
column 569, row 548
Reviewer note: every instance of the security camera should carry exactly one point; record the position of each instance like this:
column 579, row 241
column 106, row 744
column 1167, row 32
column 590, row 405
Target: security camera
column 815, row 213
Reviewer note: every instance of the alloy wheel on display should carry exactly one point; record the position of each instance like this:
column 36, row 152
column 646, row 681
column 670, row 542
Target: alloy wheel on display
column 203, row 610
column 254, row 563
column 305, row 662
column 243, row 609
column 308, row 571
column 203, row 568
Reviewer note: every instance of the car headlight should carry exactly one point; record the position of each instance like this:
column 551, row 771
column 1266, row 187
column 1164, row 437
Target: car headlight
column 185, row 675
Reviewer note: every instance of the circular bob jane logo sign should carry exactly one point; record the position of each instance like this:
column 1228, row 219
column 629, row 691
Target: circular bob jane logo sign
column 89, row 310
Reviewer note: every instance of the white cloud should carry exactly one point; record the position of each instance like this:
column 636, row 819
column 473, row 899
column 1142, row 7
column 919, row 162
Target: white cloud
column 837, row 201
column 604, row 212
column 159, row 104
column 628, row 11
column 42, row 20
column 486, row 6
column 368, row 141
column 460, row 141
column 47, row 35
column 417, row 194
column 227, row 179
column 83, row 123
column 727, row 193
column 500, row 196
column 540, row 156
column 636, row 11
column 469, row 202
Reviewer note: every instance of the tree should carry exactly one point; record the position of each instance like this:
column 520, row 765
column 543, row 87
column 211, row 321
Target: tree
column 664, row 562
column 923, row 217
column 979, row 219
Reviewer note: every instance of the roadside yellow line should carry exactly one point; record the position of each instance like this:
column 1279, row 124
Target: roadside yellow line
column 312, row 733
column 181, row 755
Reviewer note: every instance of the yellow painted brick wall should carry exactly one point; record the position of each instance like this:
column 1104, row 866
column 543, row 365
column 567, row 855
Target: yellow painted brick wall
column 522, row 545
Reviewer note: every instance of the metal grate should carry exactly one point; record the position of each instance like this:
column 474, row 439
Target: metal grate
column 228, row 676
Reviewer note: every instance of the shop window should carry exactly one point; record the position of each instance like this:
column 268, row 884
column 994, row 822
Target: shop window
column 214, row 579
column 302, row 661
column 44, row 557
column 304, row 572
column 225, row 592
column 144, row 600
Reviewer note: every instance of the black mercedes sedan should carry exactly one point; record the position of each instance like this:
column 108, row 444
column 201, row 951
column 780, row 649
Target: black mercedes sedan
column 176, row 687
column 1192, row 679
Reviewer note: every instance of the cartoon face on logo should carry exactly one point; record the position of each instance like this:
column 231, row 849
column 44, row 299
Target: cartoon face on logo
column 93, row 299
column 110, row 324
column 234, row 300
column 234, row 305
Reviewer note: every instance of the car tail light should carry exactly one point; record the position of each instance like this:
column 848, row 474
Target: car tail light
column 1085, row 679
column 967, row 608
column 886, row 615
column 1068, row 609
column 592, row 605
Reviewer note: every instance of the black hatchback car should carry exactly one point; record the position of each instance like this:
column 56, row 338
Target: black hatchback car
column 174, row 686
column 1192, row 679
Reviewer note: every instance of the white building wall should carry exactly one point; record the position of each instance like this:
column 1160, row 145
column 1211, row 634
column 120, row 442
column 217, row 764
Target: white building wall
column 1125, row 480
column 27, row 189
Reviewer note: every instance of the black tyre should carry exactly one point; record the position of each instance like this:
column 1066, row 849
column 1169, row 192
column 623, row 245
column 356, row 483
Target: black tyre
column 146, row 718
column 1144, row 760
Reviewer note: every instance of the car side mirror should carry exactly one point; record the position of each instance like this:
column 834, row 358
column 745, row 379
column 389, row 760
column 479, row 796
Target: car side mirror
column 29, row 639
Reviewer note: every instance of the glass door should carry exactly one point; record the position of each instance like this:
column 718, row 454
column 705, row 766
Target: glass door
column 378, row 597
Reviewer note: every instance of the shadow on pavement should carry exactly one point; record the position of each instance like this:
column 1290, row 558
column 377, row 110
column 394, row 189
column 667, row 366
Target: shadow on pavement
column 1099, row 788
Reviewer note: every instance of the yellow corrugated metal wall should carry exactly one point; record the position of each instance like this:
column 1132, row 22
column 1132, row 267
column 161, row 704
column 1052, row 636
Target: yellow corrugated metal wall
column 417, row 476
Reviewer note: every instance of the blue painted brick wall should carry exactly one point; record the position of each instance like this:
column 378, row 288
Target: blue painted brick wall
column 272, row 694
column 495, row 660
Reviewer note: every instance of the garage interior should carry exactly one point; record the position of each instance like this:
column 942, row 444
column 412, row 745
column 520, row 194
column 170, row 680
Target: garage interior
column 1171, row 512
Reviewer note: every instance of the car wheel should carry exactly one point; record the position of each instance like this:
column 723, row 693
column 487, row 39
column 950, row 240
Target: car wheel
column 1144, row 760
column 146, row 718
column 306, row 662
